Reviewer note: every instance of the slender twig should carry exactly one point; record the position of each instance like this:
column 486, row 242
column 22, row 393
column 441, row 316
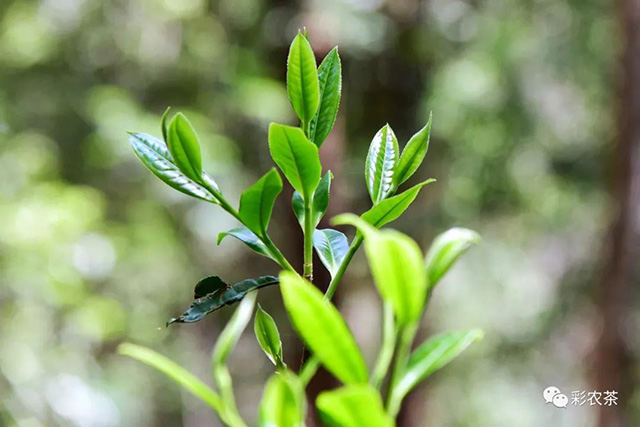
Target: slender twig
column 406, row 334
column 386, row 348
column 308, row 241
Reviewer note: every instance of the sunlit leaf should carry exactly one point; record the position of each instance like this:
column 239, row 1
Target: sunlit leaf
column 283, row 403
column 268, row 336
column 322, row 328
column 413, row 154
column 296, row 156
column 390, row 209
column 165, row 124
column 153, row 153
column 302, row 79
column 432, row 355
column 382, row 159
column 185, row 147
column 331, row 247
column 354, row 405
column 445, row 251
column 320, row 201
column 330, row 78
column 221, row 297
column 249, row 238
column 256, row 203
column 230, row 335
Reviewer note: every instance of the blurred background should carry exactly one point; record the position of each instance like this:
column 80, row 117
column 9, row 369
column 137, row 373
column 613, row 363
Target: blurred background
column 535, row 144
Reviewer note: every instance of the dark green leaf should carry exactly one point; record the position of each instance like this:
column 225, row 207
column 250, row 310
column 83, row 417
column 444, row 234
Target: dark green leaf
column 330, row 78
column 249, row 238
column 256, row 203
column 208, row 285
column 213, row 301
column 381, row 162
column 268, row 336
column 322, row 328
column 331, row 247
column 433, row 355
column 445, row 251
column 184, row 147
column 302, row 79
column 320, row 201
column 230, row 335
column 413, row 154
column 355, row 405
column 283, row 403
column 390, row 209
column 296, row 156
column 154, row 154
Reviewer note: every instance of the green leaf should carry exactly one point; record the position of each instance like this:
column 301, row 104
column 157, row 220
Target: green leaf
column 174, row 371
column 154, row 154
column 390, row 209
column 381, row 162
column 184, row 147
column 296, row 156
column 302, row 79
column 320, row 202
column 249, row 238
column 445, row 251
column 413, row 154
column 322, row 328
column 355, row 405
column 331, row 247
column 165, row 124
column 283, row 403
column 433, row 355
column 256, row 203
column 396, row 264
column 231, row 333
column 209, row 285
column 268, row 336
column 330, row 78
column 221, row 297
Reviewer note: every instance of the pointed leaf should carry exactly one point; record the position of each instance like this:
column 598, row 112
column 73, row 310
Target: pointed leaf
column 249, row 238
column 296, row 156
column 413, row 154
column 331, row 247
column 320, row 202
column 209, row 285
column 390, row 209
column 330, row 78
column 381, row 162
column 231, row 333
column 396, row 264
column 302, row 79
column 256, row 203
column 154, row 154
column 322, row 328
column 165, row 124
column 445, row 251
column 268, row 336
column 356, row 405
column 184, row 147
column 174, row 371
column 433, row 355
column 218, row 299
column 283, row 403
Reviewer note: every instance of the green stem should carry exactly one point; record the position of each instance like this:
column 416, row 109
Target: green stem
column 335, row 281
column 225, row 386
column 280, row 258
column 308, row 242
column 386, row 348
column 406, row 334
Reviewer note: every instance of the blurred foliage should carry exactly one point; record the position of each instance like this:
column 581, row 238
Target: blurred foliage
column 93, row 250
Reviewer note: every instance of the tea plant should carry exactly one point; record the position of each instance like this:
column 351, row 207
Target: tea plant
column 405, row 279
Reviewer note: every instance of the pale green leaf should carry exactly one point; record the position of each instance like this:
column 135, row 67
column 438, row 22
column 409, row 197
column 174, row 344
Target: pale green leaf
column 283, row 403
column 445, row 251
column 268, row 336
column 231, row 333
column 382, row 159
column 354, row 405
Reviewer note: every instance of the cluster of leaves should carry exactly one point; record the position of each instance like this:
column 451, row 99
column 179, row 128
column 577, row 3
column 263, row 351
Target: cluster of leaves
column 404, row 277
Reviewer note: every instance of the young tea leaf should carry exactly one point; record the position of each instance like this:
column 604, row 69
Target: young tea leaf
column 297, row 158
column 330, row 78
column 322, row 328
column 184, row 147
column 433, row 355
column 268, row 336
column 390, row 209
column 302, row 79
column 256, row 203
column 355, row 405
column 413, row 154
column 445, row 251
column 154, row 154
column 218, row 299
column 320, row 201
column 249, row 238
column 331, row 247
column 381, row 162
column 283, row 403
